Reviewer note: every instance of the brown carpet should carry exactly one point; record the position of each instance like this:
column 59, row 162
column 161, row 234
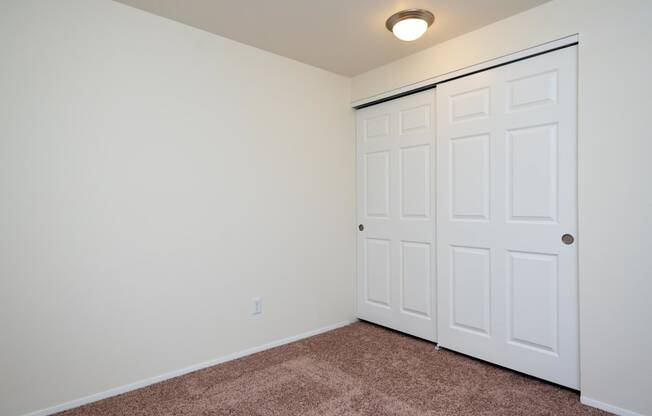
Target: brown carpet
column 361, row 369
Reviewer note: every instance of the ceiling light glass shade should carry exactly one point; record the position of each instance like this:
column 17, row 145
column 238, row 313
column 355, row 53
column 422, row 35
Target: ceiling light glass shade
column 410, row 29
column 410, row 24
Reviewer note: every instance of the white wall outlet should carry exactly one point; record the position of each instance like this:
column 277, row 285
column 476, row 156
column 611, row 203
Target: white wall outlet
column 258, row 306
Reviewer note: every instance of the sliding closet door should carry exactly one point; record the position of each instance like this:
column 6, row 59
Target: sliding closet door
column 396, row 250
column 507, row 216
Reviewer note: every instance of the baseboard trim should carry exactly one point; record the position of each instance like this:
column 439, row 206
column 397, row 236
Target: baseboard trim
column 607, row 407
column 176, row 373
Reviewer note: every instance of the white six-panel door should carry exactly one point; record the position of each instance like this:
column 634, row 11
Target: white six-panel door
column 396, row 248
column 506, row 194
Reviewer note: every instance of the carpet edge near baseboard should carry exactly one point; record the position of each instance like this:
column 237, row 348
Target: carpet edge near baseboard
column 607, row 407
column 125, row 388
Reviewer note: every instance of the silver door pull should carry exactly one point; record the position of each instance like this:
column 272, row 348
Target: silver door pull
column 567, row 239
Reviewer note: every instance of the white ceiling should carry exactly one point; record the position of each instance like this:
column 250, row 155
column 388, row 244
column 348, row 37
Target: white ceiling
column 343, row 36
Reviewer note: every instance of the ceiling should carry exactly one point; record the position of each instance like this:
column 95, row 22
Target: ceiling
column 347, row 37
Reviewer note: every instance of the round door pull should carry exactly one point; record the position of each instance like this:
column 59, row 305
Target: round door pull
column 567, row 239
column 361, row 227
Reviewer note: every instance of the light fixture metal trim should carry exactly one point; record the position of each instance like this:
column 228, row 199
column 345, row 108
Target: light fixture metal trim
column 422, row 14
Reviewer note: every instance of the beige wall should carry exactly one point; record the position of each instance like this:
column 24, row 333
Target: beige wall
column 153, row 179
column 615, row 194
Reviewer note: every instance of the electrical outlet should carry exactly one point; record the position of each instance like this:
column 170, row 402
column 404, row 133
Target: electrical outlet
column 258, row 306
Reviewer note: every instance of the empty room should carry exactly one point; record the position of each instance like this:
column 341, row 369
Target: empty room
column 325, row 208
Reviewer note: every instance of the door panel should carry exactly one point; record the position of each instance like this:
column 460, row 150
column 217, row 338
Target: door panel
column 469, row 177
column 469, row 105
column 377, row 184
column 414, row 119
column 470, row 289
column 415, row 181
column 506, row 193
column 532, row 91
column 416, row 278
column 377, row 271
column 532, row 302
column 376, row 127
column 532, row 173
column 396, row 248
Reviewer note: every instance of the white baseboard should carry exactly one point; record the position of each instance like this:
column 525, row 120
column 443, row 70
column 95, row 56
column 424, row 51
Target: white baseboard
column 607, row 407
column 176, row 373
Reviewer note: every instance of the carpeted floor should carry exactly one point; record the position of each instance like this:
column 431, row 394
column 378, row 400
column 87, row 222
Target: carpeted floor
column 361, row 369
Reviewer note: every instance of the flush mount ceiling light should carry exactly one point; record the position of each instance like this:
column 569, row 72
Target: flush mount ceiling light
column 410, row 24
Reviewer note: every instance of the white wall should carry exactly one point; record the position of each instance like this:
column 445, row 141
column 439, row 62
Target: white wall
column 153, row 179
column 615, row 193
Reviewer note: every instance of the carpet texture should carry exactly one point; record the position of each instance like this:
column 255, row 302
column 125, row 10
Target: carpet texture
column 361, row 369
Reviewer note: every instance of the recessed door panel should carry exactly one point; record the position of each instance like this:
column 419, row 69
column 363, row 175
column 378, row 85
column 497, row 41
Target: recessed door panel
column 533, row 292
column 532, row 91
column 377, row 184
column 532, row 173
column 506, row 194
column 469, row 105
column 415, row 181
column 469, row 177
column 377, row 271
column 376, row 127
column 396, row 244
column 471, row 287
column 414, row 119
column 415, row 278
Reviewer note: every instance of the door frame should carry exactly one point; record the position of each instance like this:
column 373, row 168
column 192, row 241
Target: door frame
column 431, row 83
column 469, row 70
